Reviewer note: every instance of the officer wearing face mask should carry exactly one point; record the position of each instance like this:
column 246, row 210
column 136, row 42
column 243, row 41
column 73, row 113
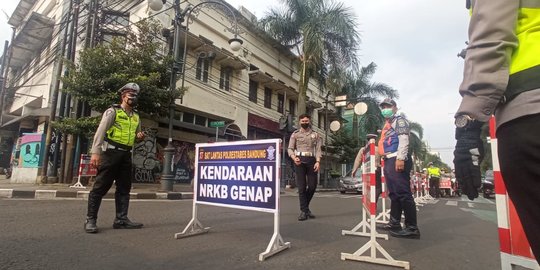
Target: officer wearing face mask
column 118, row 130
column 305, row 150
column 394, row 149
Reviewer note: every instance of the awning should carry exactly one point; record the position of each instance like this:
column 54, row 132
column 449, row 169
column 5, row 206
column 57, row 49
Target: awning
column 204, row 47
column 20, row 12
column 41, row 112
column 36, row 31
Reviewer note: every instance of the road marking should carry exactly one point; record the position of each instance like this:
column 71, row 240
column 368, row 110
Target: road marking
column 452, row 203
column 471, row 205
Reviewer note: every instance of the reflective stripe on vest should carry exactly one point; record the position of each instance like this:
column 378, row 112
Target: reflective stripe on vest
column 124, row 128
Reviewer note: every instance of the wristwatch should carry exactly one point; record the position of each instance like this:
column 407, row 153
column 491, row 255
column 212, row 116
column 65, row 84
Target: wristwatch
column 464, row 121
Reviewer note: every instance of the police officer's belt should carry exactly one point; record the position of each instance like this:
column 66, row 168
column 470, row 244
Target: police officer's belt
column 110, row 146
column 304, row 154
column 391, row 155
column 117, row 146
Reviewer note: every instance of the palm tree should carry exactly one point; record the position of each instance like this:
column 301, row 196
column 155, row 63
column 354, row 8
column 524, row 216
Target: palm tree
column 417, row 147
column 359, row 87
column 321, row 32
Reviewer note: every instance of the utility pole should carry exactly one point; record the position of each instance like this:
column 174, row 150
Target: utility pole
column 3, row 79
column 52, row 105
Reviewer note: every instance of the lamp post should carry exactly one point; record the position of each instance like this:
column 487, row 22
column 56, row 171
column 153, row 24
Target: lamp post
column 178, row 68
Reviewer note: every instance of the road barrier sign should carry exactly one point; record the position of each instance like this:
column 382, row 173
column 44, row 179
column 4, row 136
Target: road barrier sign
column 242, row 175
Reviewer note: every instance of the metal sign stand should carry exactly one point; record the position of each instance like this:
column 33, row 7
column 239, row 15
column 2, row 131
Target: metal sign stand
column 372, row 246
column 195, row 227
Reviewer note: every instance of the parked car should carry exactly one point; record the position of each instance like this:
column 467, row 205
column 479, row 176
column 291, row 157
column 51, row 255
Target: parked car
column 348, row 183
column 488, row 184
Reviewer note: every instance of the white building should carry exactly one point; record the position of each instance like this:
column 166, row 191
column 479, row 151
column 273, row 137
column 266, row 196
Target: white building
column 250, row 90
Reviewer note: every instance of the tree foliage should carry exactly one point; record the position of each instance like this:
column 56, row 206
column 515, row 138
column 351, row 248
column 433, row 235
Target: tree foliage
column 324, row 35
column 101, row 71
column 344, row 146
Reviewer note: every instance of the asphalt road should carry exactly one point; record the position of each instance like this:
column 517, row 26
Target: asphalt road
column 48, row 234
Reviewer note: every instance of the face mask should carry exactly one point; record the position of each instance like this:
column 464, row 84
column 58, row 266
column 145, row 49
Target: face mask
column 304, row 125
column 132, row 100
column 387, row 113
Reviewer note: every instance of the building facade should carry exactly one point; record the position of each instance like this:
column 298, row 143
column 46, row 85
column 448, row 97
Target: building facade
column 248, row 94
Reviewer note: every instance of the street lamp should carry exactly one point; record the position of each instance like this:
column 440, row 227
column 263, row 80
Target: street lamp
column 178, row 67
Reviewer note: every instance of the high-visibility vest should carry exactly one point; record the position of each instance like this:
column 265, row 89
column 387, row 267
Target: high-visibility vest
column 434, row 171
column 525, row 63
column 124, row 129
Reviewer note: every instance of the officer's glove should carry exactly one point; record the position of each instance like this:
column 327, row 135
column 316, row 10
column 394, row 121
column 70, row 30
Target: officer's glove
column 468, row 155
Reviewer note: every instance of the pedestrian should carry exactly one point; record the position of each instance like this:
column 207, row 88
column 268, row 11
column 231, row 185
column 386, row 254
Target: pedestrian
column 502, row 77
column 305, row 150
column 434, row 176
column 394, row 149
column 358, row 162
column 111, row 154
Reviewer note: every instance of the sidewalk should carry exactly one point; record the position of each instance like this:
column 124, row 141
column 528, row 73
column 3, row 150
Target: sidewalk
column 57, row 191
column 138, row 191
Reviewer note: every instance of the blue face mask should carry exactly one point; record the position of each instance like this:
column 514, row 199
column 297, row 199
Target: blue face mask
column 387, row 112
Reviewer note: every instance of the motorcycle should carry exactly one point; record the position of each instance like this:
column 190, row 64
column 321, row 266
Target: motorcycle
column 488, row 186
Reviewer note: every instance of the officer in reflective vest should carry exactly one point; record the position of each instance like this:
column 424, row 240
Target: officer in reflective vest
column 305, row 150
column 111, row 155
column 502, row 77
column 394, row 149
column 434, row 176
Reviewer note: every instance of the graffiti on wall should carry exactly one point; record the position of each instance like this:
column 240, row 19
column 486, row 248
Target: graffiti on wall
column 146, row 164
column 183, row 161
column 30, row 150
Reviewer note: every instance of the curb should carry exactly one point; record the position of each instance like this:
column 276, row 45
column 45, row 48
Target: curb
column 83, row 194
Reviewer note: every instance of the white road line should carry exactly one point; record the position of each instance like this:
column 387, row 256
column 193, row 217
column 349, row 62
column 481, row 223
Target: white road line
column 471, row 205
column 452, row 203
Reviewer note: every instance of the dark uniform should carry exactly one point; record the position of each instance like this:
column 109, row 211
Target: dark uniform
column 113, row 141
column 394, row 146
column 305, row 144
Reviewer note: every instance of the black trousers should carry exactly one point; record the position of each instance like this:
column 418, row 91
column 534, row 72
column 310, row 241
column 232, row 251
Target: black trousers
column 115, row 166
column 399, row 191
column 519, row 157
column 434, row 187
column 306, row 180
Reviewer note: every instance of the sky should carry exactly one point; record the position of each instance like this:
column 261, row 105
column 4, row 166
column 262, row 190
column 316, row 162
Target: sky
column 414, row 44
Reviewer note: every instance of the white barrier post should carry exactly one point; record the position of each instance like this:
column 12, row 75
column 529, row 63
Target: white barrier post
column 384, row 215
column 369, row 204
column 364, row 228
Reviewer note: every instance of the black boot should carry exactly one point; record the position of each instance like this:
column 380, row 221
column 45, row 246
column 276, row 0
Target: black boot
column 122, row 221
column 395, row 217
column 411, row 228
column 90, row 226
column 392, row 225
column 410, row 232
column 94, row 201
column 303, row 216
column 309, row 214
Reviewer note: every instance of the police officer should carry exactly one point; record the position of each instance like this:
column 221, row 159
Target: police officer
column 394, row 148
column 434, row 176
column 305, row 150
column 111, row 155
column 502, row 76
column 358, row 162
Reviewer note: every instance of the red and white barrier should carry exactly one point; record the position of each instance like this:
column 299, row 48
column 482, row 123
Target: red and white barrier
column 370, row 206
column 384, row 215
column 515, row 248
column 85, row 169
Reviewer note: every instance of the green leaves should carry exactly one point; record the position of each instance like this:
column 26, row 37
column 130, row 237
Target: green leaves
column 138, row 57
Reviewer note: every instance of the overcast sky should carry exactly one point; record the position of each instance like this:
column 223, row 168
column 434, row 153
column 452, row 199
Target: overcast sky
column 413, row 42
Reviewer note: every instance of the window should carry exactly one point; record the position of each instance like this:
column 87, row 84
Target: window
column 203, row 67
column 253, row 85
column 292, row 107
column 225, row 78
column 200, row 120
column 188, row 117
column 268, row 98
column 280, row 102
